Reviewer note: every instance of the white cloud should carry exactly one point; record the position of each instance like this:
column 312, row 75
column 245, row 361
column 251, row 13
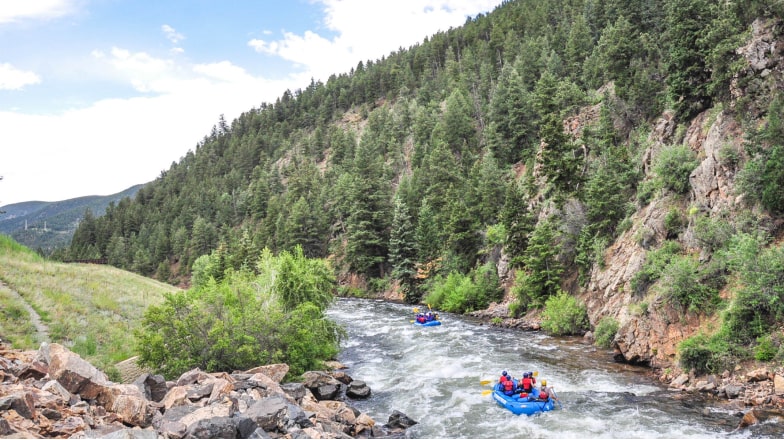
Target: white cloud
column 12, row 78
column 117, row 143
column 16, row 10
column 368, row 30
column 171, row 34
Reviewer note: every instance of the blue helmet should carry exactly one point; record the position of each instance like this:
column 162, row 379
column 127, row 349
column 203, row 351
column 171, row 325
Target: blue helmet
column 504, row 373
column 525, row 375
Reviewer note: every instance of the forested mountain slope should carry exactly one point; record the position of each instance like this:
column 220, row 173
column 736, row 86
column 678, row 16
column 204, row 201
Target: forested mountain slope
column 618, row 159
column 49, row 226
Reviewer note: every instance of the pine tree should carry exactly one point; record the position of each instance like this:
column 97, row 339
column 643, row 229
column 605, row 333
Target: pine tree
column 687, row 73
column 561, row 159
column 402, row 250
column 368, row 223
column 428, row 233
column 510, row 134
column 518, row 222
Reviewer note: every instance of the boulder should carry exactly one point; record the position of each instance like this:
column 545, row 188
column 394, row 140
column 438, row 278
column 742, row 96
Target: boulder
column 152, row 385
column 276, row 372
column 128, row 403
column 358, row 390
column 74, row 373
column 269, row 414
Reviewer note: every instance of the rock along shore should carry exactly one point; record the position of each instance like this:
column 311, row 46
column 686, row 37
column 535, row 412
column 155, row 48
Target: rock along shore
column 53, row 393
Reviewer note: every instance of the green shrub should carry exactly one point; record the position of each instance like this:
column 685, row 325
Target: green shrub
column 673, row 222
column 564, row 315
column 703, row 354
column 681, row 284
column 516, row 309
column 655, row 263
column 113, row 373
column 646, row 190
column 728, row 155
column 766, row 349
column 758, row 306
column 460, row 293
column 496, row 234
column 673, row 166
column 245, row 320
column 712, row 234
column 605, row 331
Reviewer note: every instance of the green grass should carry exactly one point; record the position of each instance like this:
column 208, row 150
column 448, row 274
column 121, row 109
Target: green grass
column 92, row 309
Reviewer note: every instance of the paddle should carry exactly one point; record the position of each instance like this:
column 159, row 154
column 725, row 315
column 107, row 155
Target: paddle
column 486, row 392
column 555, row 397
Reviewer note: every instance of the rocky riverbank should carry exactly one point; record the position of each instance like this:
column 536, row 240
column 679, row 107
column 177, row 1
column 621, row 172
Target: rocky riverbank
column 54, row 393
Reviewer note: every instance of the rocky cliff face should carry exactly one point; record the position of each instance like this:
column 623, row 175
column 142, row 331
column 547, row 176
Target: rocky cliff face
column 649, row 333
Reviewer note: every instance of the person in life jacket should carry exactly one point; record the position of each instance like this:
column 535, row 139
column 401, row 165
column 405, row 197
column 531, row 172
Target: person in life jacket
column 502, row 379
column 526, row 385
column 420, row 318
column 509, row 386
column 544, row 391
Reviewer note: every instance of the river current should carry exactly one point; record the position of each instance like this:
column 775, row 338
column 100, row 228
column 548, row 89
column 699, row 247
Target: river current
column 434, row 375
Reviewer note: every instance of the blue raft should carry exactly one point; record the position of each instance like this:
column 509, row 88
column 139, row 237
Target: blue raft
column 428, row 323
column 522, row 405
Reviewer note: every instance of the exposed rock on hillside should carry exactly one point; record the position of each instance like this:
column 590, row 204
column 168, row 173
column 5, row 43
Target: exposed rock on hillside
column 54, row 393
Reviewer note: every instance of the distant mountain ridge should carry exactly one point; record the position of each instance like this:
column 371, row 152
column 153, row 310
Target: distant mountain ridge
column 46, row 226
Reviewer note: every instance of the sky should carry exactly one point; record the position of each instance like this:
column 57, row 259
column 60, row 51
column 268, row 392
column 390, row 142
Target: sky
column 99, row 95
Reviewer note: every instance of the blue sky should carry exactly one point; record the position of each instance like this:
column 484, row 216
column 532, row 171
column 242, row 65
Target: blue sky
column 100, row 95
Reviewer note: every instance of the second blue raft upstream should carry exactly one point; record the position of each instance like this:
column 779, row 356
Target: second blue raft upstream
column 428, row 323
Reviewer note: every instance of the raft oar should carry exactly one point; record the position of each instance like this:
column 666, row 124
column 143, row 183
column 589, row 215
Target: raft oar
column 555, row 397
column 486, row 392
column 485, row 382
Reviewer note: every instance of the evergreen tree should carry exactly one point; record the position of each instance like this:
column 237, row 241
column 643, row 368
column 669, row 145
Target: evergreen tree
column 428, row 233
column 687, row 73
column 367, row 225
column 510, row 134
column 541, row 274
column 518, row 222
column 402, row 250
column 561, row 159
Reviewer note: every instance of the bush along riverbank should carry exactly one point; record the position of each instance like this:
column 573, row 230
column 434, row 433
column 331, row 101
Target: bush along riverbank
column 53, row 393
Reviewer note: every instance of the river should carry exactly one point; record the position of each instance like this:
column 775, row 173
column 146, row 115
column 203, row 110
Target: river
column 434, row 374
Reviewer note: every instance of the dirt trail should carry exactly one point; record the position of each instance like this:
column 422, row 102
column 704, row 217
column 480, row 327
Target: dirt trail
column 41, row 329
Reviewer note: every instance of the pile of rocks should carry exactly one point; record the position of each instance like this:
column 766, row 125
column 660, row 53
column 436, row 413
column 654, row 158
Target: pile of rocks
column 54, row 393
column 758, row 387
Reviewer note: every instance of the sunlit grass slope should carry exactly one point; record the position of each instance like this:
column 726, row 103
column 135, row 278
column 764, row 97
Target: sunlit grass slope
column 93, row 309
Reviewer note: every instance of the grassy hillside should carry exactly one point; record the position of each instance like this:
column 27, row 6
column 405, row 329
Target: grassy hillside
column 93, row 309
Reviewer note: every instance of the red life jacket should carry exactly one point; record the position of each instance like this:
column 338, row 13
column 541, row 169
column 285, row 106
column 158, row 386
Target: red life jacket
column 543, row 395
column 508, row 386
column 527, row 384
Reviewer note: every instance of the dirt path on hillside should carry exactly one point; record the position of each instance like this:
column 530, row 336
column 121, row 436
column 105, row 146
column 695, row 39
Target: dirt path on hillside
column 41, row 329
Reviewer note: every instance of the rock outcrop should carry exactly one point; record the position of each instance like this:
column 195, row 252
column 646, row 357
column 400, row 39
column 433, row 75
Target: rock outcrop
column 54, row 393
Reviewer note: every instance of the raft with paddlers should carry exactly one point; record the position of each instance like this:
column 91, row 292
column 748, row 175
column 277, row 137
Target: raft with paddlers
column 426, row 319
column 523, row 397
column 523, row 403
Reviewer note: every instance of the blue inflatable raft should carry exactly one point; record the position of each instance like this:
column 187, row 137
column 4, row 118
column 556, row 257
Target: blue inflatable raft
column 428, row 323
column 529, row 405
